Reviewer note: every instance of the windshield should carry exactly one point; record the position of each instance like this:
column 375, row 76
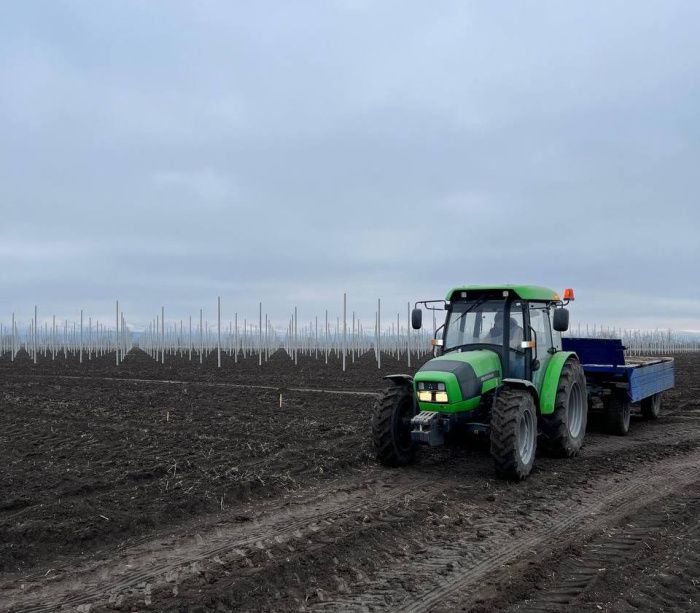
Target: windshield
column 481, row 322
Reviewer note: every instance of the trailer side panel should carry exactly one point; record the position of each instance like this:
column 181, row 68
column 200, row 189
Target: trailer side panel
column 650, row 379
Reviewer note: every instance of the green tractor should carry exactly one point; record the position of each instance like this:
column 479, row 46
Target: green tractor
column 499, row 369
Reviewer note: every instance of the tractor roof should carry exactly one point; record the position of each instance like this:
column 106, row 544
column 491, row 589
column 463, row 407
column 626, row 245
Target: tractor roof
column 526, row 292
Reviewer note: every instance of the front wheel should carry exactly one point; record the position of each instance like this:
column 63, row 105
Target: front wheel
column 391, row 427
column 513, row 434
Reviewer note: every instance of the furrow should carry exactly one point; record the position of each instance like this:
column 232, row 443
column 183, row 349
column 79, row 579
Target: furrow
column 180, row 557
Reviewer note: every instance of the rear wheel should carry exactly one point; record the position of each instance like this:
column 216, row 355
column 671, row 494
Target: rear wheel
column 617, row 414
column 391, row 426
column 651, row 407
column 563, row 430
column 513, row 434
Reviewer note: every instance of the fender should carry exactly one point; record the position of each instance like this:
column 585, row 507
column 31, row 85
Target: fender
column 400, row 379
column 406, row 380
column 523, row 384
column 548, row 393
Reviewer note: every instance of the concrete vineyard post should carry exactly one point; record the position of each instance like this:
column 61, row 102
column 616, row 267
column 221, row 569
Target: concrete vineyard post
column 345, row 327
column 162, row 335
column 325, row 343
column 379, row 332
column 116, row 322
column 408, row 333
column 352, row 339
column 218, row 331
column 34, row 333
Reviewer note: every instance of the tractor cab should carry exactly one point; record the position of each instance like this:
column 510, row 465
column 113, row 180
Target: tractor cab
column 515, row 322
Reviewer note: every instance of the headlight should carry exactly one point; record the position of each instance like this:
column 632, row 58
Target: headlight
column 435, row 392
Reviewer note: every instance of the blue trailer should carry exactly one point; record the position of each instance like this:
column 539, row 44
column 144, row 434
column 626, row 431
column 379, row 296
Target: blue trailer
column 618, row 382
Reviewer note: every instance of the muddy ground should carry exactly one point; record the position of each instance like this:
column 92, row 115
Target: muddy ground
column 175, row 487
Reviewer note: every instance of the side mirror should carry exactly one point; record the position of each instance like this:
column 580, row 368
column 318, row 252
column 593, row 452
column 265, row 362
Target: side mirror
column 417, row 319
column 561, row 320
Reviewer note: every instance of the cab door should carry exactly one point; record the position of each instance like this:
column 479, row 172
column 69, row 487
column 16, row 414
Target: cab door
column 540, row 330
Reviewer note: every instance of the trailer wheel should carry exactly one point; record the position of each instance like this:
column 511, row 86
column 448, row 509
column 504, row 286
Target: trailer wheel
column 564, row 430
column 513, row 434
column 391, row 426
column 617, row 414
column 651, row 407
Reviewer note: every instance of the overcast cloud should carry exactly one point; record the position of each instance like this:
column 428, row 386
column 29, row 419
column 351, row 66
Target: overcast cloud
column 169, row 152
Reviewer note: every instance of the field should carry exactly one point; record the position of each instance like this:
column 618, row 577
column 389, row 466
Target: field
column 182, row 487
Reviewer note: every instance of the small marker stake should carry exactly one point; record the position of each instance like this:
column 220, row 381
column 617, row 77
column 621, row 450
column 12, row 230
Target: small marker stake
column 280, row 401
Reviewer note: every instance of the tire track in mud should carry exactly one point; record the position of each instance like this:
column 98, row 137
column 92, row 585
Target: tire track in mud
column 180, row 559
column 619, row 550
column 464, row 564
column 671, row 585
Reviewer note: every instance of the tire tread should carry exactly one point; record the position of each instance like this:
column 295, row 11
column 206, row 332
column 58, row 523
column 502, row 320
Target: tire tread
column 504, row 431
column 386, row 451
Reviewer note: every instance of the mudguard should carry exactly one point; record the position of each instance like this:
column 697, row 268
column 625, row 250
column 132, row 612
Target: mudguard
column 400, row 379
column 548, row 393
column 523, row 384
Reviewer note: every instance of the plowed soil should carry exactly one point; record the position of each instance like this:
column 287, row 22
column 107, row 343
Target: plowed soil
column 183, row 487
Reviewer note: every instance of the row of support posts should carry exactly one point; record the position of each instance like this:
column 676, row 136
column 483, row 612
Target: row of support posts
column 158, row 343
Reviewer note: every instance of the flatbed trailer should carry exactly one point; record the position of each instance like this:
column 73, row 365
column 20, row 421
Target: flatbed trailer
column 620, row 382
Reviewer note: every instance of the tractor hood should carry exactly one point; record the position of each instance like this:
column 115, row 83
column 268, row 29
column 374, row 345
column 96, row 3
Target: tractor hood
column 464, row 376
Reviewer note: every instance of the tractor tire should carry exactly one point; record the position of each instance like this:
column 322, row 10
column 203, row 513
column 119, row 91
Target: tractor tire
column 563, row 431
column 391, row 426
column 513, row 434
column 651, row 407
column 617, row 414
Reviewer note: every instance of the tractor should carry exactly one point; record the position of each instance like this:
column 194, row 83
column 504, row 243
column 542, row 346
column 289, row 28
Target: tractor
column 498, row 370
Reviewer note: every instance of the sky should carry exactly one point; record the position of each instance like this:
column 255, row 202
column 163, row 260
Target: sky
column 166, row 153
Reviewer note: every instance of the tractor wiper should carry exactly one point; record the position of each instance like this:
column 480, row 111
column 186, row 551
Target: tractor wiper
column 468, row 310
